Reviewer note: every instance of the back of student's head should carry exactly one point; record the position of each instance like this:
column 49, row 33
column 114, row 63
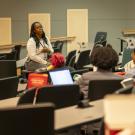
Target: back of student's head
column 104, row 58
column 57, row 60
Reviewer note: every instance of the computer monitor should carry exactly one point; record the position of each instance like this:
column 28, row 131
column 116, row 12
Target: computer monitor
column 60, row 95
column 7, row 68
column 60, row 76
column 8, row 87
column 27, row 120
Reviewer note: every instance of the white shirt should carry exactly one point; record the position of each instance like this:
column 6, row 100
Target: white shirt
column 35, row 54
column 130, row 65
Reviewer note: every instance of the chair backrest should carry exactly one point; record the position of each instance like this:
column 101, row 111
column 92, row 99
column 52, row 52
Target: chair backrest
column 3, row 56
column 61, row 96
column 27, row 97
column 8, row 87
column 126, row 56
column 127, row 90
column 83, row 59
column 11, row 55
column 80, row 72
column 18, row 50
column 7, row 68
column 101, row 38
column 58, row 46
column 70, row 59
column 99, row 88
column 27, row 120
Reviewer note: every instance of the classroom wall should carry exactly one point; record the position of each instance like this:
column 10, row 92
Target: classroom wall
column 131, row 14
column 104, row 15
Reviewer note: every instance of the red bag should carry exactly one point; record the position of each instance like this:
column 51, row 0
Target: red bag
column 37, row 80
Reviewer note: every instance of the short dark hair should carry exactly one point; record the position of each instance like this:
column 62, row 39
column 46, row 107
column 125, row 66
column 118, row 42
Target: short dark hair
column 104, row 57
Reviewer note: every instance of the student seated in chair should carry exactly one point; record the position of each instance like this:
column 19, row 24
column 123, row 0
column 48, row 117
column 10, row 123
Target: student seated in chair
column 104, row 59
column 57, row 60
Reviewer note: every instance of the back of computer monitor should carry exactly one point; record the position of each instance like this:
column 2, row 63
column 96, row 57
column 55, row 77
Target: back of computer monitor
column 8, row 87
column 27, row 120
column 60, row 95
column 7, row 68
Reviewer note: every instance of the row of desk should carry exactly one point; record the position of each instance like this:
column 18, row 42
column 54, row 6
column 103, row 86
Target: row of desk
column 70, row 116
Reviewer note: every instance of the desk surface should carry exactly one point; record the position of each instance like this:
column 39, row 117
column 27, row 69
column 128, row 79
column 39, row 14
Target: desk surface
column 73, row 116
column 70, row 116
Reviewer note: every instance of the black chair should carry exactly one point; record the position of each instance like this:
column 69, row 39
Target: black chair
column 11, row 55
column 100, row 38
column 83, row 59
column 8, row 87
column 7, row 68
column 80, row 72
column 99, row 88
column 127, row 90
column 3, row 57
column 18, row 50
column 27, row 120
column 126, row 56
column 61, row 96
column 58, row 46
column 70, row 59
column 27, row 97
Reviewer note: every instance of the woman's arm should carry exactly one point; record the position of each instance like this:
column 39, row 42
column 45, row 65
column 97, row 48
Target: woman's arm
column 49, row 45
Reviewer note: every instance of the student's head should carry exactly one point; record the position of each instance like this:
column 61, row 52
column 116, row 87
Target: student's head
column 104, row 58
column 37, row 32
column 57, row 60
column 133, row 55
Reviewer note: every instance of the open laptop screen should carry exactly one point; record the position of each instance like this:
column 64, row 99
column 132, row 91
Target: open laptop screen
column 60, row 77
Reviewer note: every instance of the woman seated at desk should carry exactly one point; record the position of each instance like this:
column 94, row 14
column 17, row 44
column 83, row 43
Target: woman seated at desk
column 38, row 48
column 104, row 59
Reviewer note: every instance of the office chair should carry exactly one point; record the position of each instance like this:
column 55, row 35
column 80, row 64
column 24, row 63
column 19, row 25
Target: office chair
column 99, row 88
column 70, row 59
column 3, row 57
column 83, row 59
column 17, row 50
column 27, row 120
column 80, row 72
column 58, row 46
column 7, row 68
column 8, row 87
column 11, row 55
column 60, row 95
column 100, row 38
column 126, row 56
column 27, row 97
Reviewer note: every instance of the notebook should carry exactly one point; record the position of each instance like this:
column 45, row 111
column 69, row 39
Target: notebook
column 60, row 77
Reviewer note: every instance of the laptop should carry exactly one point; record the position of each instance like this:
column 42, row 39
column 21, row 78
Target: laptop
column 60, row 76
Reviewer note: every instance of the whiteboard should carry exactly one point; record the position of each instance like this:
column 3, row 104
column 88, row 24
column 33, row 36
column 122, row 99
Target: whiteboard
column 43, row 18
column 77, row 25
column 5, row 31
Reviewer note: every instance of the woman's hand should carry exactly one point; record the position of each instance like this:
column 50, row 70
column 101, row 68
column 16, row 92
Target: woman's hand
column 45, row 50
